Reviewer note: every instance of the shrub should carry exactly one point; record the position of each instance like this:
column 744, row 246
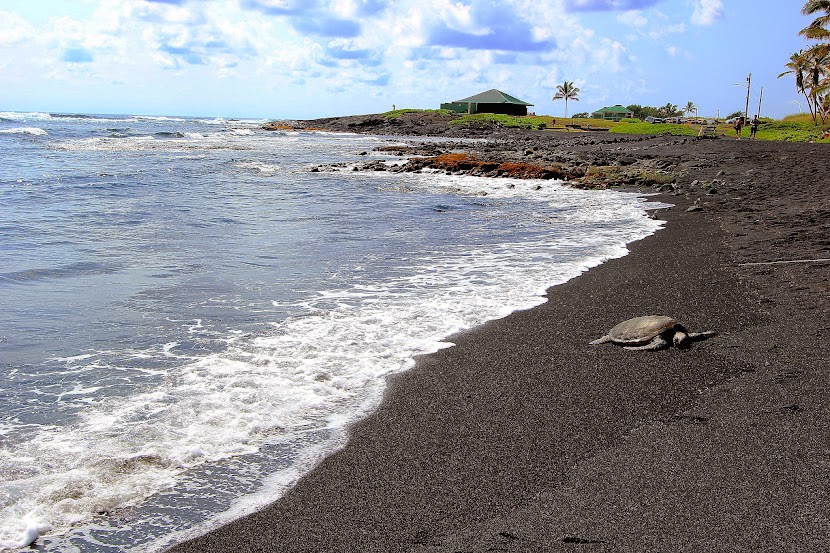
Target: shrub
column 789, row 131
column 399, row 112
column 532, row 122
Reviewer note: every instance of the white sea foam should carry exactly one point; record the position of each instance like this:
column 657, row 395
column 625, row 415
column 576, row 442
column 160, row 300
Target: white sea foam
column 35, row 131
column 188, row 141
column 155, row 118
column 320, row 369
column 24, row 116
column 259, row 167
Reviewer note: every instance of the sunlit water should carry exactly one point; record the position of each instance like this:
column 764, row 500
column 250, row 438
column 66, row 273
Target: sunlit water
column 190, row 317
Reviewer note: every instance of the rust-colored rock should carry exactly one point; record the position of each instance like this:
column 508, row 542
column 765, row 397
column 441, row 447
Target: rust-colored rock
column 469, row 165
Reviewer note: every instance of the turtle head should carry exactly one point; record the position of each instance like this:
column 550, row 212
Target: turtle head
column 680, row 339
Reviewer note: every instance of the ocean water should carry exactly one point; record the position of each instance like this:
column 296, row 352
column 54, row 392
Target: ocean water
column 190, row 318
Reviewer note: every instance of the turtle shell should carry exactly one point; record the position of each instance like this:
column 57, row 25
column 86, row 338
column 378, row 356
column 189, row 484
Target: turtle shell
column 641, row 329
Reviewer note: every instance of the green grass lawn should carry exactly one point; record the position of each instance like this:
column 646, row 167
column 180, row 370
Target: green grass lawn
column 533, row 122
column 793, row 128
column 790, row 130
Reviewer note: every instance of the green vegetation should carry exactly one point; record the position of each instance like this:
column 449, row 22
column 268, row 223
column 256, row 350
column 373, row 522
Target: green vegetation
column 532, row 122
column 690, row 108
column 669, row 110
column 795, row 128
column 398, row 112
column 798, row 127
column 811, row 67
column 566, row 91
column 798, row 118
column 790, row 131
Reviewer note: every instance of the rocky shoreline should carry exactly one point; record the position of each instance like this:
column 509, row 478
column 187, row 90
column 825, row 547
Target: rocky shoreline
column 770, row 197
column 582, row 159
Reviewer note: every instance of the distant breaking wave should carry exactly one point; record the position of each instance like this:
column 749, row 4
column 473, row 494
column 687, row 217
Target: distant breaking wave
column 23, row 116
column 35, row 131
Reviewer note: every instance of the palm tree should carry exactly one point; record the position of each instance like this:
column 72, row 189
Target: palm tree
column 798, row 66
column 690, row 108
column 567, row 91
column 668, row 110
column 811, row 67
column 817, row 30
column 818, row 80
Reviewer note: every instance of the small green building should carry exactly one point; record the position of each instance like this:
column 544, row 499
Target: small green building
column 491, row 101
column 612, row 113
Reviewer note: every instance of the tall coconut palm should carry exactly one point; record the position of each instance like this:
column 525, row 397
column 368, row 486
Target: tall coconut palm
column 690, row 108
column 818, row 79
column 669, row 110
column 818, row 55
column 566, row 91
column 817, row 30
column 798, row 65
column 811, row 67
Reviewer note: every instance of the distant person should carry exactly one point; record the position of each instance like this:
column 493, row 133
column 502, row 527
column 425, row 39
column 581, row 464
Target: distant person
column 739, row 124
column 753, row 127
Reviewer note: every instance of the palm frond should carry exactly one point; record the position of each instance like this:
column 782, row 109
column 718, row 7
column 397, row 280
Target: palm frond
column 813, row 6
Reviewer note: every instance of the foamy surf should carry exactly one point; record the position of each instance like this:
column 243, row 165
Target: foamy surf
column 34, row 131
column 240, row 385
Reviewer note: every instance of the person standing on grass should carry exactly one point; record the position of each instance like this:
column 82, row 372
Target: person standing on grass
column 738, row 125
column 753, row 127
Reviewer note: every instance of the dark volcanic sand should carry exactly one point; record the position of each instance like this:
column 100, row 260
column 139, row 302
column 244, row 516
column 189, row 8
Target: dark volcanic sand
column 524, row 438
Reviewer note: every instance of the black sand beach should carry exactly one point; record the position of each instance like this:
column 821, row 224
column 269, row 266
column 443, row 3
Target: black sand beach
column 523, row 437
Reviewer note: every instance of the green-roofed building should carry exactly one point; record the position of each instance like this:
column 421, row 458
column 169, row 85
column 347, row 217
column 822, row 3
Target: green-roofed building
column 612, row 113
column 491, row 101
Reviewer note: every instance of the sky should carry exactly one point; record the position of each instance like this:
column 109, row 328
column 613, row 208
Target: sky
column 301, row 59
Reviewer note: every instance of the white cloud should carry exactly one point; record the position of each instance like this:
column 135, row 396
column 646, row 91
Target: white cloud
column 611, row 56
column 634, row 18
column 412, row 49
column 14, row 29
column 459, row 17
column 707, row 12
column 667, row 30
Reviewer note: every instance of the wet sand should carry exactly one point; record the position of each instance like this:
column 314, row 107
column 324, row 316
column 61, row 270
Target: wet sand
column 523, row 437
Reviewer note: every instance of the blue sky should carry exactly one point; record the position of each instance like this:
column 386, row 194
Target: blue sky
column 316, row 58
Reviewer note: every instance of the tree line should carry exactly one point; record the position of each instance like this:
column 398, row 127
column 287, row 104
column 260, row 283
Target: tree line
column 669, row 110
column 568, row 92
column 811, row 66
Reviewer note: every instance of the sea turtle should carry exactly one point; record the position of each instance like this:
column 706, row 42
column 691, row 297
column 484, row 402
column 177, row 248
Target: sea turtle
column 651, row 332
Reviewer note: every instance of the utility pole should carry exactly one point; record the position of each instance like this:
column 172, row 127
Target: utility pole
column 760, row 98
column 746, row 112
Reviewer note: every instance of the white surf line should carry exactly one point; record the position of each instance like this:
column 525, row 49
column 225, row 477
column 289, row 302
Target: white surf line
column 821, row 260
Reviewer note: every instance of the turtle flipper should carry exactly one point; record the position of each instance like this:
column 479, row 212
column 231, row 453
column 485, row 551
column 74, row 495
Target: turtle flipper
column 603, row 340
column 702, row 335
column 658, row 342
